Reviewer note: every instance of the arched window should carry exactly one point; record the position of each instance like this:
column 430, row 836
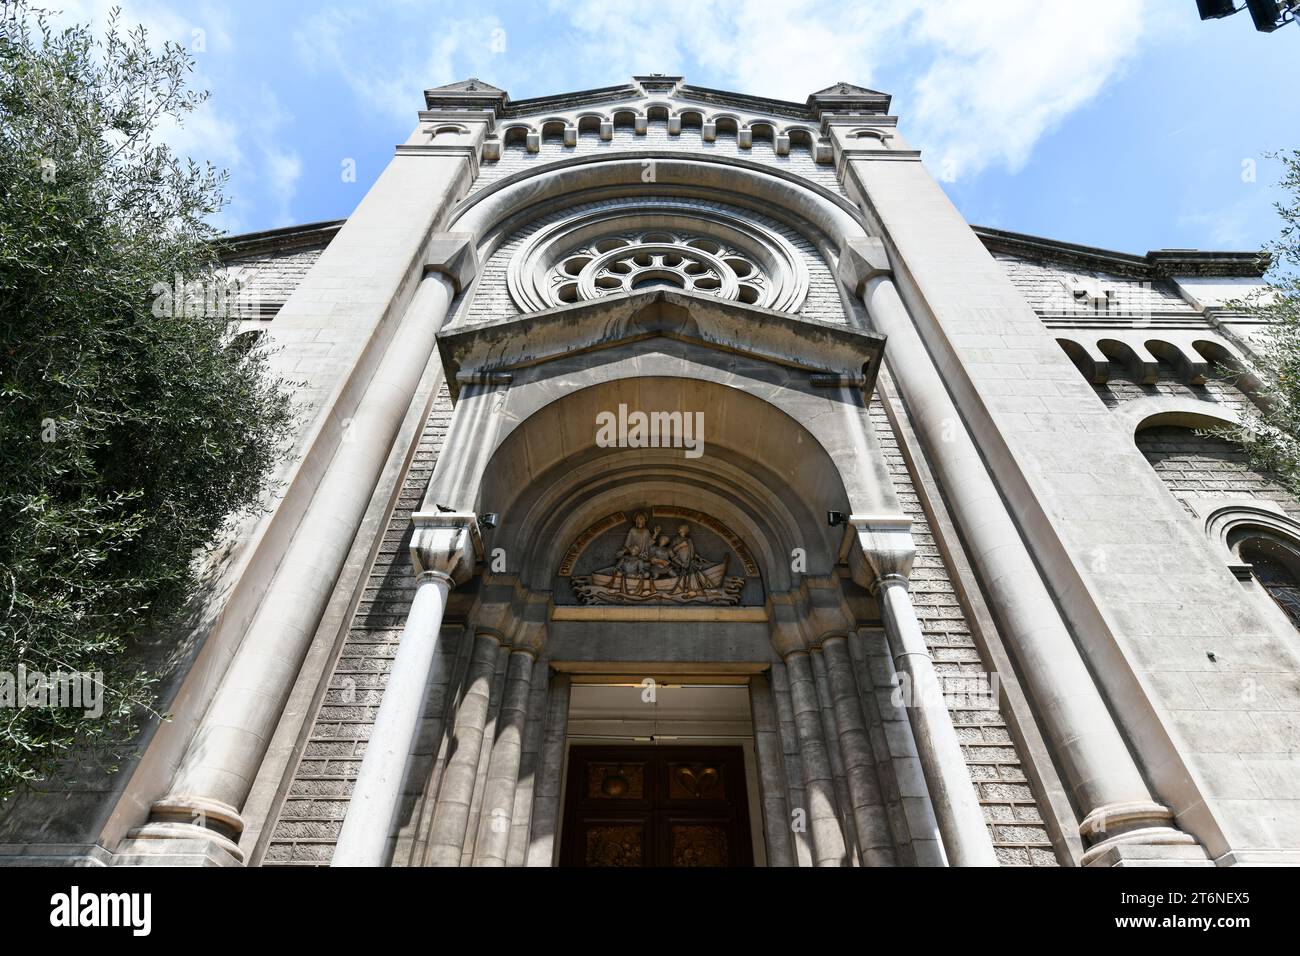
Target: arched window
column 1275, row 565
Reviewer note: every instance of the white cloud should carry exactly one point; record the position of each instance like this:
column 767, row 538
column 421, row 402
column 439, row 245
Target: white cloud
column 241, row 125
column 978, row 83
column 387, row 77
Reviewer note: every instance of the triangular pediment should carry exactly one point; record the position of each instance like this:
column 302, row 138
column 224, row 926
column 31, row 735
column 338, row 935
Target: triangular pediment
column 471, row 85
column 847, row 89
column 840, row 353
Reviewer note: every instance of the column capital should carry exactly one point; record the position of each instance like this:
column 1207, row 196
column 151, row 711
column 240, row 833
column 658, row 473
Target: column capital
column 446, row 543
column 861, row 260
column 885, row 550
column 452, row 254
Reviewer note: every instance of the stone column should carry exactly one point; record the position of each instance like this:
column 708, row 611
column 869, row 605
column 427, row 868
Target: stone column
column 771, row 775
column 503, row 766
column 875, row 838
column 451, row 814
column 550, row 778
column 218, row 768
column 443, row 551
column 887, row 546
column 1103, row 777
column 831, row 734
column 823, row 820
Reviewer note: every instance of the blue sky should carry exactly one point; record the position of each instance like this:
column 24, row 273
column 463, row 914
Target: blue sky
column 1128, row 124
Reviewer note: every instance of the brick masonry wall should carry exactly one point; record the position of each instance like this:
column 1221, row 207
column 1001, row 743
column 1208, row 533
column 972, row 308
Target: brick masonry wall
column 1010, row 804
column 312, row 813
column 1202, row 466
column 270, row 277
column 1047, row 286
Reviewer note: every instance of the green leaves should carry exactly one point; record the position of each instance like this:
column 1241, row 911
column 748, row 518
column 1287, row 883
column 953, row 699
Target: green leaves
column 127, row 440
column 1272, row 436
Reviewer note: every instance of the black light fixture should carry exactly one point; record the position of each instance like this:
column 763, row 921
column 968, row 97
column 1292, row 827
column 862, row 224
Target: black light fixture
column 488, row 520
column 834, row 518
column 1268, row 15
column 1214, row 9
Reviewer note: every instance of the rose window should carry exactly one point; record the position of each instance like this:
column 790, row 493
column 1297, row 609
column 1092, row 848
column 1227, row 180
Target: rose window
column 635, row 262
column 608, row 248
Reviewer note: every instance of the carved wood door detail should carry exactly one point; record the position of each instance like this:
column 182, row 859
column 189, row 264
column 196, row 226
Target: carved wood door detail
column 656, row 806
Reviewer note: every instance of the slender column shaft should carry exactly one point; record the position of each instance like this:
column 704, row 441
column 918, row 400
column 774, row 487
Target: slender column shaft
column 875, row 839
column 800, row 840
column 457, row 791
column 823, row 822
column 961, row 821
column 529, row 765
column 503, row 766
column 546, row 803
column 831, row 734
column 771, row 775
column 377, row 794
column 1103, row 777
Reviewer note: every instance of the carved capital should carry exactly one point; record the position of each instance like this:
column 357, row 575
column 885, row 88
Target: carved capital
column 862, row 260
column 452, row 254
column 885, row 548
column 446, row 543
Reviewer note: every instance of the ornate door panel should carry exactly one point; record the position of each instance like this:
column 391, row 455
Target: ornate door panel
column 656, row 806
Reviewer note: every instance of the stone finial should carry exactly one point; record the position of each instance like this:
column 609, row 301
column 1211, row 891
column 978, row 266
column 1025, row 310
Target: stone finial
column 446, row 543
column 453, row 255
column 861, row 260
column 885, row 548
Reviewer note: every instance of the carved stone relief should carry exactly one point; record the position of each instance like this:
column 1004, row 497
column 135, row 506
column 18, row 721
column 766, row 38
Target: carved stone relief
column 660, row 562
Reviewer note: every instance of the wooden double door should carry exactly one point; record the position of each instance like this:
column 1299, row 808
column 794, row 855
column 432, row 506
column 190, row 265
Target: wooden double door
column 656, row 806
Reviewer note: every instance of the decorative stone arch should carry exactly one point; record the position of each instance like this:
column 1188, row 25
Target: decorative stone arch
column 657, row 111
column 495, row 211
column 801, row 136
column 1134, row 358
column 1092, row 363
column 568, row 490
column 763, row 130
column 691, row 118
column 1217, row 353
column 1152, row 412
column 1192, row 369
column 590, row 123
column 1245, row 532
column 881, row 136
column 553, row 129
column 448, row 129
column 727, row 123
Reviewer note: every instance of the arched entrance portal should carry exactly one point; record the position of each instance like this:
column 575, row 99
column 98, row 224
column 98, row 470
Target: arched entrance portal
column 666, row 746
column 737, row 433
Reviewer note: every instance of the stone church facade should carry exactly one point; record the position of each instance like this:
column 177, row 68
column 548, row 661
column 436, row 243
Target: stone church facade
column 682, row 481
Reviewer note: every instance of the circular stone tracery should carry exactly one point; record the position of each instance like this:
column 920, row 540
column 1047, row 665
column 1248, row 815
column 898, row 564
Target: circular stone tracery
column 705, row 248
column 633, row 262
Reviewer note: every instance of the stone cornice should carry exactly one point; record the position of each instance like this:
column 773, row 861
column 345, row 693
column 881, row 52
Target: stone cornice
column 489, row 352
column 271, row 240
column 1158, row 264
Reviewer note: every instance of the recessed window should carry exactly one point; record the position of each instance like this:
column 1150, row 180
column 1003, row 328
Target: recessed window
column 1276, row 567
